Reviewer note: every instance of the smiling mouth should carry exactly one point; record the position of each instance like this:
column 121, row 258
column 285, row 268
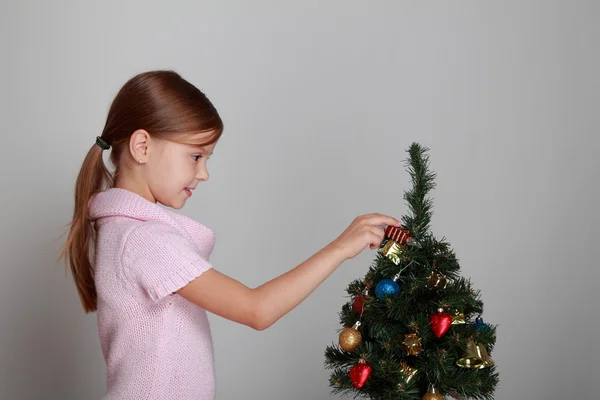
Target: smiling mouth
column 189, row 191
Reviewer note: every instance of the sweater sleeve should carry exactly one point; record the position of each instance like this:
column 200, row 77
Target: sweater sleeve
column 159, row 260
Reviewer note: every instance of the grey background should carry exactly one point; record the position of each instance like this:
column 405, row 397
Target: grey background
column 320, row 101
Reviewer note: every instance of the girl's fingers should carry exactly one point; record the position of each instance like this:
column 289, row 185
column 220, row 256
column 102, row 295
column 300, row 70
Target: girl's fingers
column 375, row 238
column 378, row 219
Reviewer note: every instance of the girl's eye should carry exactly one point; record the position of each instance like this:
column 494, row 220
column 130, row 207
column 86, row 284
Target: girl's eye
column 196, row 157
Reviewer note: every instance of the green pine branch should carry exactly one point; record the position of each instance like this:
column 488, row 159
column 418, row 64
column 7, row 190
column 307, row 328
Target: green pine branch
column 423, row 181
column 385, row 322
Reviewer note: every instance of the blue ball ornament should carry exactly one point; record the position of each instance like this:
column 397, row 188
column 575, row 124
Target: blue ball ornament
column 479, row 323
column 386, row 288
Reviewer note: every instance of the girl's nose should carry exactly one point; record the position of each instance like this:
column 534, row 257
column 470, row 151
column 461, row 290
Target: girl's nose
column 202, row 174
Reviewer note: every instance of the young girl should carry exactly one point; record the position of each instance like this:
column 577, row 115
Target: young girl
column 146, row 269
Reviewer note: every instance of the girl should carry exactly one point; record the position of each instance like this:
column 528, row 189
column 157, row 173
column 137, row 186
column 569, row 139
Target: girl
column 146, row 269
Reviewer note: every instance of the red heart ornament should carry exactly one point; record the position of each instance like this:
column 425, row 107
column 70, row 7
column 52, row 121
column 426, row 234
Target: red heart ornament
column 440, row 323
column 359, row 303
column 360, row 373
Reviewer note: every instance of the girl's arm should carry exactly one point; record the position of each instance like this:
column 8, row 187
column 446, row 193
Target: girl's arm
column 261, row 307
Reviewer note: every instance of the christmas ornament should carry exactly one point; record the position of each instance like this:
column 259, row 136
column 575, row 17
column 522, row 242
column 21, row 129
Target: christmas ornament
column 393, row 251
column 458, row 318
column 360, row 373
column 359, row 303
column 437, row 281
column 472, row 357
column 398, row 235
column 387, row 287
column 350, row 338
column 394, row 247
column 440, row 322
column 432, row 394
column 408, row 372
column 413, row 344
column 479, row 323
column 487, row 361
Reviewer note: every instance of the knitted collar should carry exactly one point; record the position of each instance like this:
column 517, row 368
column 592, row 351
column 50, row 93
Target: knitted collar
column 117, row 202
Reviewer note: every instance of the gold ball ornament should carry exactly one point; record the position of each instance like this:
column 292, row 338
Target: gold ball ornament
column 350, row 338
column 432, row 394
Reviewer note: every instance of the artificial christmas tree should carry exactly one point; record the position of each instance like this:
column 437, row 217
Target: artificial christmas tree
column 413, row 328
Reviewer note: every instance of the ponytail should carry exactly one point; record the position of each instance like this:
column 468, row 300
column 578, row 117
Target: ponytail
column 92, row 178
column 165, row 105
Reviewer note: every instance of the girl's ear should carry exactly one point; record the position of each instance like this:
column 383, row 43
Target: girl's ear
column 138, row 145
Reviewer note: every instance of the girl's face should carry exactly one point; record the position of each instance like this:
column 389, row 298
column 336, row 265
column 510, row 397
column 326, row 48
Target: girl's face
column 174, row 170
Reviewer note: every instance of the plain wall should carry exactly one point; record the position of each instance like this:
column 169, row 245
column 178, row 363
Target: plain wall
column 320, row 101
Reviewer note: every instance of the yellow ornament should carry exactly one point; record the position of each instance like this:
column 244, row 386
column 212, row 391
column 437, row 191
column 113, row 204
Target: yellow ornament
column 408, row 372
column 393, row 251
column 472, row 358
column 437, row 281
column 350, row 338
column 458, row 318
column 487, row 361
column 432, row 394
column 413, row 344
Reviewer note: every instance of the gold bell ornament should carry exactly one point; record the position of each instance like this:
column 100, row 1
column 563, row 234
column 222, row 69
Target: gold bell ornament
column 487, row 361
column 473, row 357
column 350, row 338
column 432, row 394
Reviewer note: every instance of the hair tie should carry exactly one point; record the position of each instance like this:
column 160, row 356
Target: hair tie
column 103, row 145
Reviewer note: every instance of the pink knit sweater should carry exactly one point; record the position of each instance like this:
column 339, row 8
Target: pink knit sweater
column 156, row 344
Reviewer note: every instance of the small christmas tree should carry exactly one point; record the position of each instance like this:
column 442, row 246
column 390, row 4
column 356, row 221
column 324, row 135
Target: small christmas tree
column 413, row 326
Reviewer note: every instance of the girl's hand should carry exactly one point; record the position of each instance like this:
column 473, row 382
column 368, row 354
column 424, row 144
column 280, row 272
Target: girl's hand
column 364, row 231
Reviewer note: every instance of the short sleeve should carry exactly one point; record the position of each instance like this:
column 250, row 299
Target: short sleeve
column 159, row 260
